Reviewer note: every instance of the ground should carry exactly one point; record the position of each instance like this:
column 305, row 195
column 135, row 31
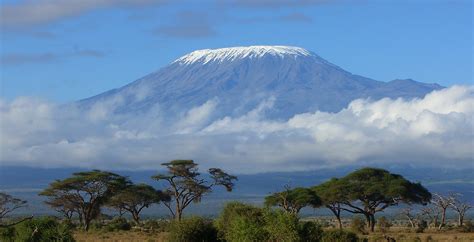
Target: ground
column 445, row 236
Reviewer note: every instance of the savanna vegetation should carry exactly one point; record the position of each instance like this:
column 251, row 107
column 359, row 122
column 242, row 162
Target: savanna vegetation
column 355, row 201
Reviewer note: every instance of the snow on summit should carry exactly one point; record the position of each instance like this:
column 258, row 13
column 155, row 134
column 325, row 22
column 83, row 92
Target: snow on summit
column 234, row 81
column 229, row 54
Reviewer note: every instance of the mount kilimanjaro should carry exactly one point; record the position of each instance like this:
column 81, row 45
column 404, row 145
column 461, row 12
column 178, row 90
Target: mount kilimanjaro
column 238, row 79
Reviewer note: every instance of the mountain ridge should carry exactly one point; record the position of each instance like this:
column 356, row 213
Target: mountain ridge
column 241, row 78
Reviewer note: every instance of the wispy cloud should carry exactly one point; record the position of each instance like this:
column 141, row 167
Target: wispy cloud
column 429, row 131
column 36, row 12
column 188, row 25
column 13, row 59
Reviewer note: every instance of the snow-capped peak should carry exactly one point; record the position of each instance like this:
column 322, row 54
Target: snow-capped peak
column 233, row 53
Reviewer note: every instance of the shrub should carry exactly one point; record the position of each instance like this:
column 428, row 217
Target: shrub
column 118, row 224
column 7, row 234
column 358, row 225
column 384, row 224
column 422, row 225
column 310, row 231
column 95, row 225
column 281, row 226
column 157, row 225
column 239, row 219
column 43, row 229
column 337, row 235
column 192, row 229
column 467, row 227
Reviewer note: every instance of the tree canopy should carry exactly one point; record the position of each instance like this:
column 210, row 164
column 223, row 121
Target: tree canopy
column 134, row 198
column 84, row 193
column 185, row 184
column 370, row 190
column 293, row 200
column 331, row 197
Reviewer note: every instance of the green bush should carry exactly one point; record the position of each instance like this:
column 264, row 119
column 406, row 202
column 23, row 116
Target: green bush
column 281, row 226
column 239, row 219
column 358, row 225
column 192, row 229
column 7, row 234
column 337, row 235
column 310, row 231
column 246, row 229
column 43, row 229
column 117, row 224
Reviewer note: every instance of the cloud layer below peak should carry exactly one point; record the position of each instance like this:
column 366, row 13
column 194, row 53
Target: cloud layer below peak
column 437, row 130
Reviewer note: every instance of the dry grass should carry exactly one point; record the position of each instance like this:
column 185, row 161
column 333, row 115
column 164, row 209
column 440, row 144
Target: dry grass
column 422, row 237
column 122, row 236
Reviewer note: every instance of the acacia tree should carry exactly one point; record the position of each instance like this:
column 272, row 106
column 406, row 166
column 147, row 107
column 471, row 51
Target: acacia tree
column 84, row 193
column 185, row 184
column 442, row 203
column 371, row 190
column 432, row 213
column 293, row 200
column 66, row 207
column 460, row 207
column 135, row 198
column 331, row 197
column 412, row 218
column 8, row 204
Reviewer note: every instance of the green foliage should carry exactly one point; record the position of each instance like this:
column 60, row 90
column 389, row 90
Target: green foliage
column 310, row 231
column 338, row 235
column 84, row 193
column 281, row 226
column 246, row 229
column 185, row 185
column 42, row 229
column 358, row 225
column 243, row 222
column 117, row 224
column 384, row 224
column 7, row 234
column 192, row 229
column 293, row 200
column 373, row 184
column 239, row 219
column 134, row 198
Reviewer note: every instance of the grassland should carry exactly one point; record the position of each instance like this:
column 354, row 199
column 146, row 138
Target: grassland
column 398, row 234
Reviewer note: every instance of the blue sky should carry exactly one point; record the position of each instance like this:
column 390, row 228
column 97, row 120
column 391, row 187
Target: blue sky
column 67, row 50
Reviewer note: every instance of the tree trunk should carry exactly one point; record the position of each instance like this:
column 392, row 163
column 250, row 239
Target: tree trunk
column 339, row 222
column 337, row 214
column 136, row 217
column 367, row 218
column 443, row 219
column 372, row 223
column 86, row 224
column 460, row 220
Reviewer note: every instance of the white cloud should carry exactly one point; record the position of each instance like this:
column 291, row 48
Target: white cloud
column 437, row 130
column 34, row 12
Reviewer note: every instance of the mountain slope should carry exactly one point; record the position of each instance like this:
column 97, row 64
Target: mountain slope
column 240, row 78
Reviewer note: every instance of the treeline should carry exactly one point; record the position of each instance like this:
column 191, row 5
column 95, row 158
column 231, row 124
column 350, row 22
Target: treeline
column 366, row 192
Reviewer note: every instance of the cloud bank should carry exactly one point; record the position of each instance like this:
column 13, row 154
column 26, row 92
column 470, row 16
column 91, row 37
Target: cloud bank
column 437, row 130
